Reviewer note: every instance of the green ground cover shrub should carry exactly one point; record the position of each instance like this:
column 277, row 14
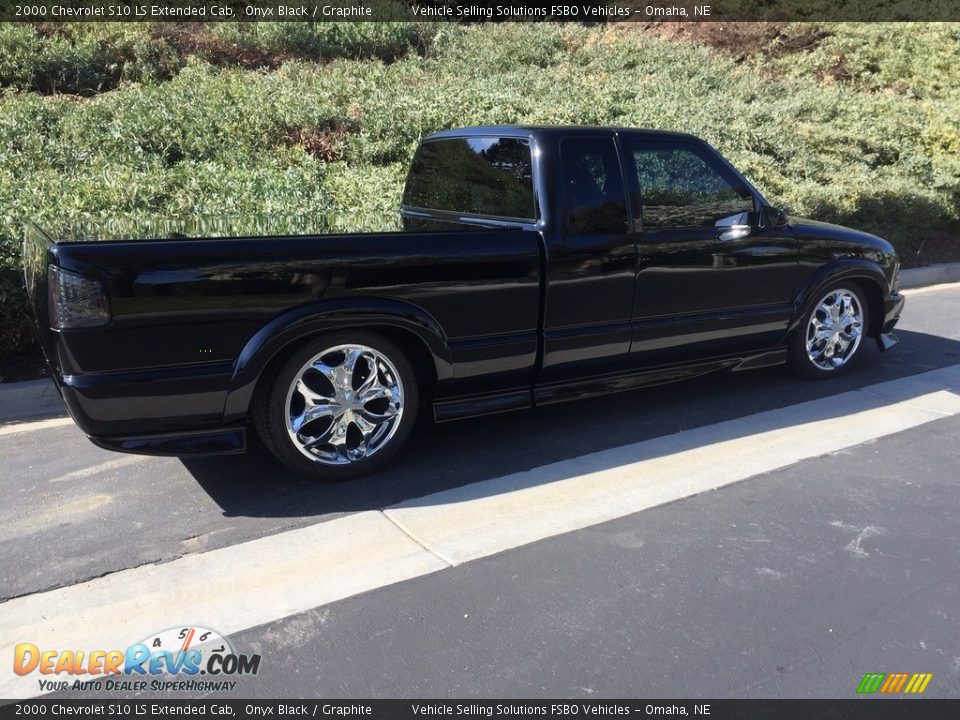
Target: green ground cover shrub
column 83, row 58
column 861, row 128
column 327, row 40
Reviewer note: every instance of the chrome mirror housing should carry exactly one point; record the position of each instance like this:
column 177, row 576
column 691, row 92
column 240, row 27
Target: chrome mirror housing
column 734, row 227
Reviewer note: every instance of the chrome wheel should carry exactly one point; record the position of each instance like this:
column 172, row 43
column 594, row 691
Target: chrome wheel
column 834, row 330
column 344, row 405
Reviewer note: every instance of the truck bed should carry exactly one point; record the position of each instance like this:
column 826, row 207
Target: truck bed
column 192, row 319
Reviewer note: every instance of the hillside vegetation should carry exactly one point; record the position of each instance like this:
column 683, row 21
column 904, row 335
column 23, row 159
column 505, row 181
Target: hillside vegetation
column 857, row 124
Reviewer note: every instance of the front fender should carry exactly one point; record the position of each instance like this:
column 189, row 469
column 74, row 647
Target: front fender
column 324, row 316
column 853, row 268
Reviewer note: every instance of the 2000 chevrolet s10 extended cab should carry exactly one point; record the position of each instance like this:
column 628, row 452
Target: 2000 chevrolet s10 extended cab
column 536, row 264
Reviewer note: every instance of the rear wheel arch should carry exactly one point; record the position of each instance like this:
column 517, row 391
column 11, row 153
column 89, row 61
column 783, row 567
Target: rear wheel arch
column 416, row 351
column 414, row 348
column 418, row 336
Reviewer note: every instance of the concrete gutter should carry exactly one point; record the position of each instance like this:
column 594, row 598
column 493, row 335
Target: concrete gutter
column 930, row 275
column 35, row 399
column 30, row 400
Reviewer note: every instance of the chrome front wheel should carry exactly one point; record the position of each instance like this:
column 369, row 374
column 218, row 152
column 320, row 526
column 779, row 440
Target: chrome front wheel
column 835, row 329
column 828, row 338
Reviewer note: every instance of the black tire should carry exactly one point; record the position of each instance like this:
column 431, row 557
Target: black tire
column 271, row 412
column 798, row 359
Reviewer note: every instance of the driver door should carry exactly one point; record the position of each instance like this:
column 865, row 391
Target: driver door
column 702, row 291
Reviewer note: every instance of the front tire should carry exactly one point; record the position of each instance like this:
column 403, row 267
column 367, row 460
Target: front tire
column 828, row 341
column 339, row 407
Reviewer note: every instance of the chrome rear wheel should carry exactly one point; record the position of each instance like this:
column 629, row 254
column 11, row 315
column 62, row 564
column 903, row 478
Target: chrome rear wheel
column 344, row 404
column 340, row 406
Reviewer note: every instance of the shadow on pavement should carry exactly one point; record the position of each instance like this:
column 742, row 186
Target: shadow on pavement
column 441, row 457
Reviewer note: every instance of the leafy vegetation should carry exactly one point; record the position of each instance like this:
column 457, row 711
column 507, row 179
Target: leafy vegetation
column 858, row 124
column 82, row 60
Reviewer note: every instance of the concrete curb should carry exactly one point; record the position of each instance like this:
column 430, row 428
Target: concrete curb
column 35, row 399
column 930, row 275
column 29, row 400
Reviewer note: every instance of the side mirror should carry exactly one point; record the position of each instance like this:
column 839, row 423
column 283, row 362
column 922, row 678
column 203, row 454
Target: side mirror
column 736, row 226
column 775, row 217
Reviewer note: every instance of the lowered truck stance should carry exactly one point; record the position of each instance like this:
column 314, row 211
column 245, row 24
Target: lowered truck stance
column 535, row 265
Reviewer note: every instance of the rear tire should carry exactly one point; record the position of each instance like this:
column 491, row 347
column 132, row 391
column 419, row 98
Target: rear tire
column 339, row 407
column 829, row 339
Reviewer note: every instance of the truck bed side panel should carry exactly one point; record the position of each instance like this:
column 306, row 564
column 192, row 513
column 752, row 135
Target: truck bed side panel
column 182, row 310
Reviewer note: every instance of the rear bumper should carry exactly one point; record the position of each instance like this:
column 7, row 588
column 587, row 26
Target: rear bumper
column 147, row 402
column 221, row 441
column 157, row 412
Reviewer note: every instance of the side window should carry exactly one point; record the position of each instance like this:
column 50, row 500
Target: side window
column 682, row 186
column 473, row 176
column 593, row 187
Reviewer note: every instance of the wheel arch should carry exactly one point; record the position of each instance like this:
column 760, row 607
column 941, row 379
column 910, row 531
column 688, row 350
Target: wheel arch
column 414, row 331
column 868, row 277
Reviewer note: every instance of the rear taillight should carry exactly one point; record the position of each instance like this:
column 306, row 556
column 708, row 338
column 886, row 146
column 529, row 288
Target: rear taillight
column 74, row 301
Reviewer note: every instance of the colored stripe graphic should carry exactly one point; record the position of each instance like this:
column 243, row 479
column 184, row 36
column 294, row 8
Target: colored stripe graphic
column 871, row 682
column 889, row 682
column 914, row 681
column 894, row 683
column 922, row 680
column 900, row 683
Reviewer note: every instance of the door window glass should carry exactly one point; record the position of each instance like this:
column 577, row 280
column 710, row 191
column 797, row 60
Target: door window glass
column 490, row 176
column 593, row 187
column 682, row 186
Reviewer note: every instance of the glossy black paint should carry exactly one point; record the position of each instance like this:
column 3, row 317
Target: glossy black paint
column 498, row 315
column 605, row 385
column 831, row 252
column 223, row 441
column 589, row 295
column 697, row 295
column 196, row 322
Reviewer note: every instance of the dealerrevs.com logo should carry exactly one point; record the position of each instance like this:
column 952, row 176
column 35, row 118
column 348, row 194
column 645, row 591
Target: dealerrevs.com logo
column 188, row 659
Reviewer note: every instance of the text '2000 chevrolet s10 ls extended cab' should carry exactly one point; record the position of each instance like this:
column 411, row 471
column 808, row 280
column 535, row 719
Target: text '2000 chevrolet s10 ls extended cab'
column 537, row 264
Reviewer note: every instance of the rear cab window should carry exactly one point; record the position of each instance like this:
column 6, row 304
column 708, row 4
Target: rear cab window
column 483, row 176
column 593, row 189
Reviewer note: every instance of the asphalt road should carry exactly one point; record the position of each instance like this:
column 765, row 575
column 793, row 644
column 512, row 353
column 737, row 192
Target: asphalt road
column 791, row 584
column 758, row 588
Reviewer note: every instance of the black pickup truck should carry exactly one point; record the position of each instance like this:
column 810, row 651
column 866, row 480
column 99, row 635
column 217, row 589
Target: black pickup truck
column 534, row 265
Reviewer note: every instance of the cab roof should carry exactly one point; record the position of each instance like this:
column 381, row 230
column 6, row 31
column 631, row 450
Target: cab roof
column 548, row 130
